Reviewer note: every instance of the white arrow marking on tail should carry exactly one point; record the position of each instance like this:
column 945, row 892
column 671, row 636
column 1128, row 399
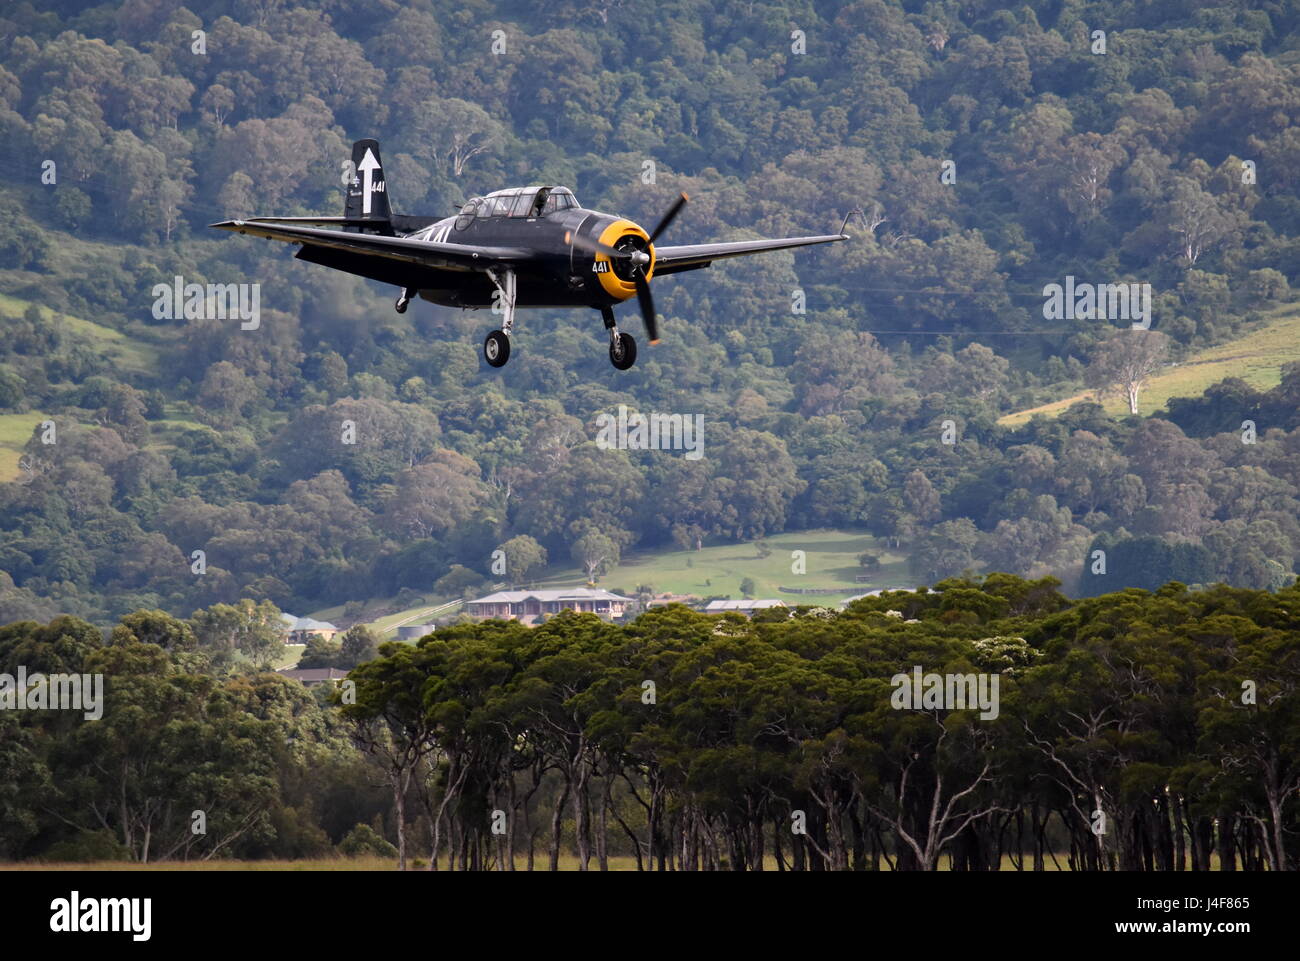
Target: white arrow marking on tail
column 367, row 167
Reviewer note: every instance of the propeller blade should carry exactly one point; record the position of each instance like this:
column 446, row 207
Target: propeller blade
column 647, row 303
column 595, row 246
column 669, row 217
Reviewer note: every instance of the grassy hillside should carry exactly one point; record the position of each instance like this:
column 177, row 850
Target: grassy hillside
column 831, row 557
column 128, row 354
column 379, row 613
column 15, row 431
column 1256, row 357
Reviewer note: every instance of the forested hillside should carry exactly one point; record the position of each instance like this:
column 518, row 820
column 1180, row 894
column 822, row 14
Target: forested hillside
column 993, row 152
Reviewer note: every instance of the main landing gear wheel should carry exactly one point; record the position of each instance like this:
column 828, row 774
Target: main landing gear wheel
column 622, row 350
column 496, row 349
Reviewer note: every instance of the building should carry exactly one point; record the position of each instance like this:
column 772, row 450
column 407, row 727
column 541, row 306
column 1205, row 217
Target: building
column 528, row 606
column 311, row 676
column 301, row 629
column 747, row 606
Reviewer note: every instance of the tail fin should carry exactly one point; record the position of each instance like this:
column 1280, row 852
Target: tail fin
column 367, row 198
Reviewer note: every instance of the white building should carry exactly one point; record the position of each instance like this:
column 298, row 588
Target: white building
column 529, row 605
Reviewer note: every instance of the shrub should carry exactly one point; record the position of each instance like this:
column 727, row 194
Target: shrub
column 363, row 840
column 88, row 846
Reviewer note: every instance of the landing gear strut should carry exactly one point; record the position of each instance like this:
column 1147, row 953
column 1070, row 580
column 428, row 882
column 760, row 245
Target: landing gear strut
column 404, row 299
column 496, row 348
column 622, row 347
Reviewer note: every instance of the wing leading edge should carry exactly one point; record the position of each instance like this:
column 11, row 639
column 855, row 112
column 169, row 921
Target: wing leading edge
column 692, row 256
column 425, row 253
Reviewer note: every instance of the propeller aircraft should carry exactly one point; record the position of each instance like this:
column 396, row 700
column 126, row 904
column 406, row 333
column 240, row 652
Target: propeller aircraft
column 520, row 247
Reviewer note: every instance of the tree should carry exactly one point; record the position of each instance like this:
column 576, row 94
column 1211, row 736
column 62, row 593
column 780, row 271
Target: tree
column 946, row 549
column 168, row 734
column 595, row 553
column 389, row 722
column 921, row 498
column 1196, row 221
column 251, row 628
column 1123, row 362
column 320, row 652
column 454, row 132
column 436, row 496
column 687, row 502
column 936, row 778
column 227, row 395
column 154, row 627
column 360, row 644
column 838, row 372
column 1250, row 715
column 755, row 481
column 523, row 557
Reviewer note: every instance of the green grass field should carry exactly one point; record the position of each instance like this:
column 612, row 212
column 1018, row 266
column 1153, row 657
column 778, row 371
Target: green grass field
column 1256, row 357
column 289, row 657
column 15, row 432
column 831, row 558
column 127, row 354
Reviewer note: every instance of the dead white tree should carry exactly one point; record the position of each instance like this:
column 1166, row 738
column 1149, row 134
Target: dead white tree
column 1124, row 362
column 1196, row 221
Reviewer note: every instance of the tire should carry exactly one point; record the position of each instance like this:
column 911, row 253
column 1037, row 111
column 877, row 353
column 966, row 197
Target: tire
column 496, row 349
column 622, row 352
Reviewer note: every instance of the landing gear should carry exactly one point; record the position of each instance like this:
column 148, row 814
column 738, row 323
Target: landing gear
column 622, row 347
column 622, row 350
column 404, row 299
column 496, row 349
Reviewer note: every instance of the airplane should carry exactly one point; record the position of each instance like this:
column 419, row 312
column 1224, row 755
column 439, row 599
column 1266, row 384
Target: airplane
column 520, row 247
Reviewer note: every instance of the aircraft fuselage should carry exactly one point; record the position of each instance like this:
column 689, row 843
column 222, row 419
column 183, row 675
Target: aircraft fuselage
column 560, row 275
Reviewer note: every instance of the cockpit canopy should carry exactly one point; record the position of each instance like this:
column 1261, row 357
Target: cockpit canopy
column 517, row 202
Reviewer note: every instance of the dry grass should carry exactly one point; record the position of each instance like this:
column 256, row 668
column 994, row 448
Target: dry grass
column 1256, row 357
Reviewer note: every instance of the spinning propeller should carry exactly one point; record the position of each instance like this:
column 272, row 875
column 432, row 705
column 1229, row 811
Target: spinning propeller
column 639, row 260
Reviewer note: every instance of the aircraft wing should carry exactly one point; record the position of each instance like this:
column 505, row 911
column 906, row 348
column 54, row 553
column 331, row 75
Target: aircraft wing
column 669, row 260
column 422, row 253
